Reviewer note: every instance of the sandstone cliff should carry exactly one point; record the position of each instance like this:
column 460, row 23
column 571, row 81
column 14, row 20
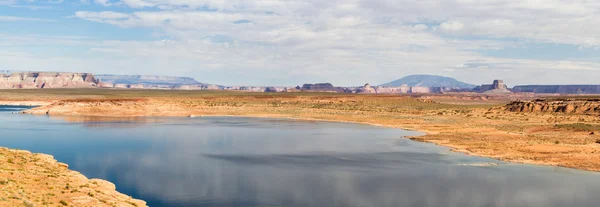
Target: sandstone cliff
column 571, row 106
column 498, row 87
column 323, row 87
column 16, row 80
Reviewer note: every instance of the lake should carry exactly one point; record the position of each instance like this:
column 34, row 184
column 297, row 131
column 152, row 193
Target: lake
column 252, row 162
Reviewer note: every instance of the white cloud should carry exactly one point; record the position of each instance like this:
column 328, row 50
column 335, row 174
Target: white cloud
column 102, row 2
column 345, row 41
column 16, row 18
column 452, row 26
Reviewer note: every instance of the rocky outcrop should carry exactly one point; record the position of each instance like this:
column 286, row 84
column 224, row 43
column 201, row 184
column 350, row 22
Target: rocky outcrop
column 571, row 106
column 498, row 87
column 558, row 89
column 274, row 89
column 26, row 80
column 38, row 179
column 323, row 87
column 366, row 89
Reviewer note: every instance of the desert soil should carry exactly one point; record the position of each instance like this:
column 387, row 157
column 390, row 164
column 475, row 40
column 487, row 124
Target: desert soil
column 28, row 179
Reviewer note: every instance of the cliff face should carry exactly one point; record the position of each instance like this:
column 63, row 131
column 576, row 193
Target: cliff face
column 47, row 80
column 323, row 87
column 585, row 106
column 562, row 89
column 497, row 87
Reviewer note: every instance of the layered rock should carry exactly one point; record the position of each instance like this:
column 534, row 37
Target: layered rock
column 497, row 87
column 39, row 180
column 27, row 80
column 574, row 106
column 560, row 89
column 323, row 87
column 366, row 89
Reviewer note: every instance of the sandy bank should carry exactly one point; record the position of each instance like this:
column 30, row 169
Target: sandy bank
column 25, row 103
column 475, row 130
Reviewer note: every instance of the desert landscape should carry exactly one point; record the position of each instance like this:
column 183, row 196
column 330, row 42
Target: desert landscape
column 559, row 127
column 538, row 130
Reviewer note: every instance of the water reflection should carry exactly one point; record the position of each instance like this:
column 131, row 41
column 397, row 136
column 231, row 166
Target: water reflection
column 267, row 162
column 108, row 122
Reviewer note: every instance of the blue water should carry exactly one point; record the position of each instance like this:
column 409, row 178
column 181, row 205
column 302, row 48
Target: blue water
column 272, row 162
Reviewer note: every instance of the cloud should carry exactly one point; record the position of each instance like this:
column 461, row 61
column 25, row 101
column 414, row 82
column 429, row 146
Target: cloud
column 16, row 18
column 452, row 26
column 348, row 42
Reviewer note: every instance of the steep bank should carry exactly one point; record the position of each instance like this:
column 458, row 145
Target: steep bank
column 473, row 129
column 28, row 179
column 567, row 106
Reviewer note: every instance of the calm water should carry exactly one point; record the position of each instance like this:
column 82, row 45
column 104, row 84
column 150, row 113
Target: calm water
column 268, row 162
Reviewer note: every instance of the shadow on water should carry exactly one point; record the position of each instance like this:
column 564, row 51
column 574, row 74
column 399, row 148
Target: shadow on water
column 224, row 161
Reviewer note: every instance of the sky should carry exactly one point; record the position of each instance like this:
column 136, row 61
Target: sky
column 291, row 42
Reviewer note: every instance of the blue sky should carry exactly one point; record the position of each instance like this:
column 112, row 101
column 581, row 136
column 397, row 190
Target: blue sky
column 287, row 43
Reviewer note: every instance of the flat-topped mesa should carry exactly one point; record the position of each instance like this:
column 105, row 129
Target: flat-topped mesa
column 323, row 87
column 558, row 89
column 497, row 87
column 153, row 82
column 47, row 80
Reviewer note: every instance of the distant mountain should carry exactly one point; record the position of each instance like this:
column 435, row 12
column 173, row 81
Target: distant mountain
column 429, row 81
column 147, row 79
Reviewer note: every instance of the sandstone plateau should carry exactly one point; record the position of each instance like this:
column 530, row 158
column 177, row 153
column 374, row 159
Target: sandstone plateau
column 559, row 89
column 47, row 80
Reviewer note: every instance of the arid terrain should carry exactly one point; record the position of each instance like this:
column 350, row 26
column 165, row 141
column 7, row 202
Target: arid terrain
column 28, row 179
column 471, row 123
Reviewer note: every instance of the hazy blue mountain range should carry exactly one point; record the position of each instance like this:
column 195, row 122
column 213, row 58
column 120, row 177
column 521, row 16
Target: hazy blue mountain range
column 429, row 81
column 147, row 79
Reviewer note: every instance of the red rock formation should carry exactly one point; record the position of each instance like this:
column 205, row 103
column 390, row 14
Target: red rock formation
column 574, row 106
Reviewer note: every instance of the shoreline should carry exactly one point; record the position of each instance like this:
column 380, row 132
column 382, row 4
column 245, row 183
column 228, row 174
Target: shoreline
column 473, row 128
column 36, row 175
column 418, row 138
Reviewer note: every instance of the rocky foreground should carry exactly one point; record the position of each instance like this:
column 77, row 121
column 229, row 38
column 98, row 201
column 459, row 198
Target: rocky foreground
column 28, row 179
